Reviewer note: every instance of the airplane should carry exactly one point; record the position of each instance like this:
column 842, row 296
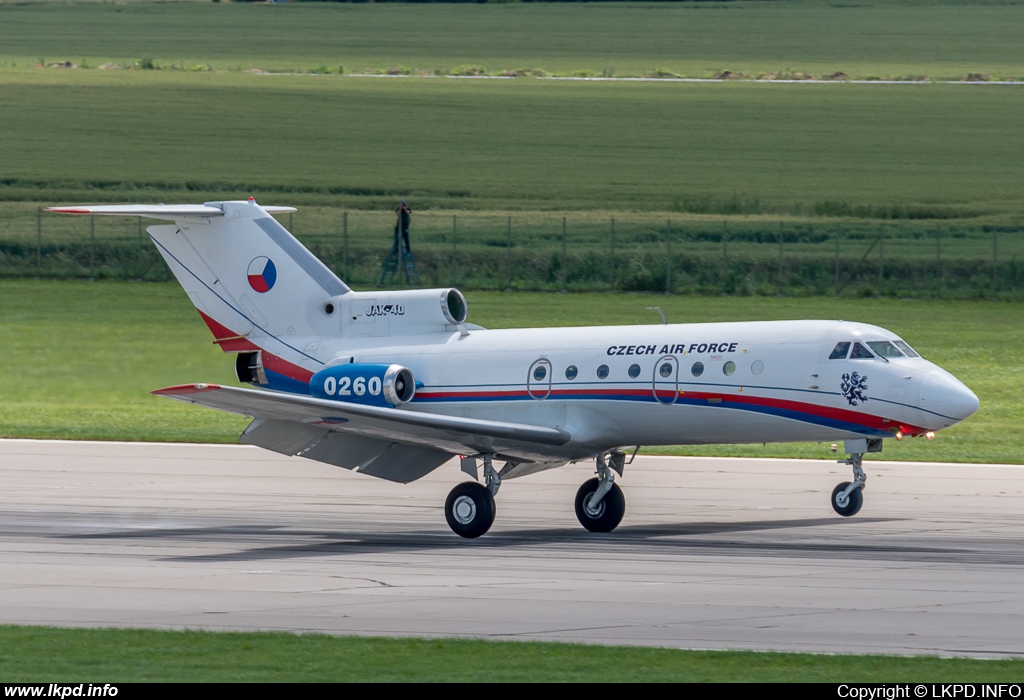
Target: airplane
column 393, row 384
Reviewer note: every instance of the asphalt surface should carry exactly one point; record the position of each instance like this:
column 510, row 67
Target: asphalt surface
column 712, row 553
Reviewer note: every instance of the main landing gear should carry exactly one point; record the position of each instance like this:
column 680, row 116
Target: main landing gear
column 848, row 497
column 469, row 508
column 600, row 503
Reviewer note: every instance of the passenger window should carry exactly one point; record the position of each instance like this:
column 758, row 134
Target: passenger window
column 885, row 349
column 666, row 370
column 571, row 371
column 729, row 367
column 861, row 353
column 602, row 372
column 757, row 367
column 540, row 372
column 839, row 353
column 634, row 371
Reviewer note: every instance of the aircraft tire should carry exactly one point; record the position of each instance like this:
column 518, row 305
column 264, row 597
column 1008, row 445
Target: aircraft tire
column 469, row 510
column 852, row 504
column 610, row 510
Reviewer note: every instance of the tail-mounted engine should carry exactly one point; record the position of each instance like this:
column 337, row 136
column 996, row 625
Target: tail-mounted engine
column 368, row 384
column 403, row 312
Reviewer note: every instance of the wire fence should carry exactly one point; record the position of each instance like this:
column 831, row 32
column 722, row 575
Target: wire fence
column 574, row 252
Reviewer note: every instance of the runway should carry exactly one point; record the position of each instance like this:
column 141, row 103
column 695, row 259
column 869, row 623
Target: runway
column 712, row 553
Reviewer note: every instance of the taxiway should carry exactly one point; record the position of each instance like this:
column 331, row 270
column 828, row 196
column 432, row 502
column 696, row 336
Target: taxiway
column 712, row 553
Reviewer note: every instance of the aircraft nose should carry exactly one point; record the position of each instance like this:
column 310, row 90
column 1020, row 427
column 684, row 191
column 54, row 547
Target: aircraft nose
column 943, row 393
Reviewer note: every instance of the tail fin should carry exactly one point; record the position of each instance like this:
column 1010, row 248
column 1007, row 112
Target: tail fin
column 253, row 283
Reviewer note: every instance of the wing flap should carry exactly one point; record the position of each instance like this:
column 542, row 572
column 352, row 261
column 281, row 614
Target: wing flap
column 385, row 459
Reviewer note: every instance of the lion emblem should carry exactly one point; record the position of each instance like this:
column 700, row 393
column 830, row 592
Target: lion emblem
column 854, row 388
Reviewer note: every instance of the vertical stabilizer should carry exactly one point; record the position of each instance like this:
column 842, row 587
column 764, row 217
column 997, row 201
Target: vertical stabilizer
column 247, row 273
column 254, row 284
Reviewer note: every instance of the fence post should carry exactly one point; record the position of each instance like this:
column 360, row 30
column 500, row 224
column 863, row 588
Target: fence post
column 290, row 227
column 508, row 258
column 564, row 260
column 938, row 259
column 782, row 233
column 725, row 241
column 141, row 246
column 92, row 247
column 995, row 261
column 613, row 254
column 881, row 254
column 344, row 244
column 39, row 241
column 839, row 233
column 668, row 258
column 455, row 250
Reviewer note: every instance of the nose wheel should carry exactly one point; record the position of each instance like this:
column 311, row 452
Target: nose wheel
column 846, row 502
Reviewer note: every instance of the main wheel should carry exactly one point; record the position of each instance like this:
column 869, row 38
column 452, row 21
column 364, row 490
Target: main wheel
column 469, row 509
column 849, row 505
column 608, row 514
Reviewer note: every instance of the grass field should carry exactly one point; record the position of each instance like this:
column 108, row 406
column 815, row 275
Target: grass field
column 896, row 38
column 82, row 357
column 40, row 654
column 928, row 151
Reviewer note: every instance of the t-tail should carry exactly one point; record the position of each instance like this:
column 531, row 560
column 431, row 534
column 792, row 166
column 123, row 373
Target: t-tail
column 265, row 296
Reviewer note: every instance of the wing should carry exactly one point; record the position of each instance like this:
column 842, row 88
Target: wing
column 395, row 444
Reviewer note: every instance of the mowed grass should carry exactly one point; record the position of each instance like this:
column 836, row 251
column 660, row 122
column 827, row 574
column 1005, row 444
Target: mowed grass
column 897, row 38
column 81, row 357
column 932, row 151
column 42, row 654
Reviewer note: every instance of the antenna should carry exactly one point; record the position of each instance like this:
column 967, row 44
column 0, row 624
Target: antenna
column 660, row 313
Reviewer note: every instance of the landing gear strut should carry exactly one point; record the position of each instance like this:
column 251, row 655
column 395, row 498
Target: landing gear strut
column 470, row 508
column 848, row 497
column 600, row 503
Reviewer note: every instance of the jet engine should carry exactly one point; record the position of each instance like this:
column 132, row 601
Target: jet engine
column 368, row 384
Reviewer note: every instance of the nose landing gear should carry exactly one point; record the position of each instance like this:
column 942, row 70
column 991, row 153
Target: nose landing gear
column 848, row 497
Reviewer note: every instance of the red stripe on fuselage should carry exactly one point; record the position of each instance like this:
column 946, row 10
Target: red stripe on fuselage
column 838, row 414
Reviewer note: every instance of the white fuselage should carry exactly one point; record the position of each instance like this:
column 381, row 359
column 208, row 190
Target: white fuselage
column 672, row 384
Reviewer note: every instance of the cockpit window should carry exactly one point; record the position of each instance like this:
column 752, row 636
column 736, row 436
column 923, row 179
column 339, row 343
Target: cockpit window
column 839, row 353
column 860, row 353
column 884, row 348
column 905, row 348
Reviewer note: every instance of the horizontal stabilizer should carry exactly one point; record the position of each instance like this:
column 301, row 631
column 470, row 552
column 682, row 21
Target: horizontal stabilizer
column 170, row 212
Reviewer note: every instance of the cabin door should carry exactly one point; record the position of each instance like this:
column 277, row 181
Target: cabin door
column 666, row 380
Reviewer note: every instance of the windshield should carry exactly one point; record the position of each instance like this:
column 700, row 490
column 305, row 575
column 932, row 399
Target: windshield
column 905, row 348
column 883, row 348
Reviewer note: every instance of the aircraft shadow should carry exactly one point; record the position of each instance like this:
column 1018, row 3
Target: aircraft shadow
column 255, row 542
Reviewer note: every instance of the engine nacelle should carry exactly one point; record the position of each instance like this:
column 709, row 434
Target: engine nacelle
column 400, row 312
column 368, row 384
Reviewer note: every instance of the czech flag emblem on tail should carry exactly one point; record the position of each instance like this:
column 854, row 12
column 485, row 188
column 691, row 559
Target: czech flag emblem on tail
column 262, row 274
